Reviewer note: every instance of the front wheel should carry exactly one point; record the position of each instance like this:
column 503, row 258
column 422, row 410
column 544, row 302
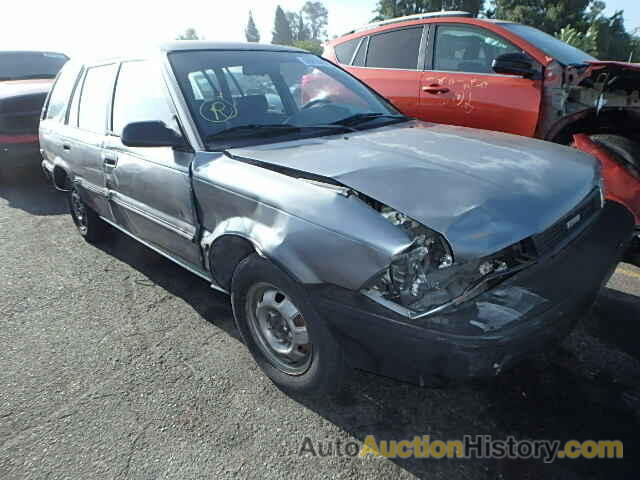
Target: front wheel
column 287, row 338
column 88, row 223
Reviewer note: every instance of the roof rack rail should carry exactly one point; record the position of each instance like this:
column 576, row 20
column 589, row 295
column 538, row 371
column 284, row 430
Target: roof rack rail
column 417, row 16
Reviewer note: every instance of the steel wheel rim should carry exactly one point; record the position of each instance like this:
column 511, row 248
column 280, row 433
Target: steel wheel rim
column 279, row 329
column 79, row 212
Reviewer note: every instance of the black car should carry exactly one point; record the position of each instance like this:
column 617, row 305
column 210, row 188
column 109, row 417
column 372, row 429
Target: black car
column 25, row 81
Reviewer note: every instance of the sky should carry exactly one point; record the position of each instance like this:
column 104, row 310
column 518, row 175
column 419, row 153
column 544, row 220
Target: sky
column 114, row 27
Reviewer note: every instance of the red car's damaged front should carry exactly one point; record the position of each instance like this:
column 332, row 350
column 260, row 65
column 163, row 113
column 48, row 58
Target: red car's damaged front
column 596, row 108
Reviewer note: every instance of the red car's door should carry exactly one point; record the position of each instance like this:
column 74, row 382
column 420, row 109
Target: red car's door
column 459, row 86
column 390, row 65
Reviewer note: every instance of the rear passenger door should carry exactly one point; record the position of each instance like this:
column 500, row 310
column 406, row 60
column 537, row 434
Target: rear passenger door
column 391, row 62
column 54, row 132
column 150, row 188
column 87, row 124
column 460, row 87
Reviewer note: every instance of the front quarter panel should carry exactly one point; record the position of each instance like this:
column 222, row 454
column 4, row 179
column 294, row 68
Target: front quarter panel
column 315, row 234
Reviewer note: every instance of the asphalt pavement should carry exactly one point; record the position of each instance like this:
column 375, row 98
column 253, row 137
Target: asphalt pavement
column 115, row 363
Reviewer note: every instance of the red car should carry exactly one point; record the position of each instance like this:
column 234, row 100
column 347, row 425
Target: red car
column 25, row 79
column 447, row 67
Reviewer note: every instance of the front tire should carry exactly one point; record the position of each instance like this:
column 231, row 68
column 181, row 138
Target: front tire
column 285, row 335
column 88, row 223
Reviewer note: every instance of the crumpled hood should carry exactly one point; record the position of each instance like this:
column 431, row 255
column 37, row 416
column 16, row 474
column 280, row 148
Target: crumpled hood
column 482, row 190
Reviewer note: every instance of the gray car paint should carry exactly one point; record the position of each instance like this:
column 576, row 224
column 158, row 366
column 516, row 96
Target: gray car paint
column 473, row 186
column 482, row 190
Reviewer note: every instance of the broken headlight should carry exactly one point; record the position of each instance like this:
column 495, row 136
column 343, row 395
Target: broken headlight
column 425, row 276
column 416, row 272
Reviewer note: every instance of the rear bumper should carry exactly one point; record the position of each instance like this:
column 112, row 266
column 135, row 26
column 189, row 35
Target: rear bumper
column 474, row 340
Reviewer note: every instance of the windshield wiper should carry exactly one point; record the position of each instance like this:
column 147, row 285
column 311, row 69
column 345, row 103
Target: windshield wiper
column 365, row 117
column 270, row 129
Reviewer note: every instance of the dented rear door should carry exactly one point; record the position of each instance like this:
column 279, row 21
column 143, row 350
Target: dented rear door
column 459, row 86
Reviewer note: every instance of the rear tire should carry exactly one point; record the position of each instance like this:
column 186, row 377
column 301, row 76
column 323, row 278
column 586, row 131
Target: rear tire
column 88, row 223
column 285, row 335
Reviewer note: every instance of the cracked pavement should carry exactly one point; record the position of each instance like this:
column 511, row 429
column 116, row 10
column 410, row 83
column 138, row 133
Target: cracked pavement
column 118, row 364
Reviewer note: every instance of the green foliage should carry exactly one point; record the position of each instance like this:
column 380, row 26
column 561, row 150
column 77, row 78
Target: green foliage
column 587, row 42
column 313, row 46
column 400, row 8
column 634, row 56
column 251, row 32
column 316, row 17
column 582, row 23
column 189, row 34
column 299, row 30
column 550, row 16
column 281, row 29
column 306, row 27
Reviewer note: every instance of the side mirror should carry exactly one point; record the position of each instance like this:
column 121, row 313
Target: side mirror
column 514, row 64
column 150, row 134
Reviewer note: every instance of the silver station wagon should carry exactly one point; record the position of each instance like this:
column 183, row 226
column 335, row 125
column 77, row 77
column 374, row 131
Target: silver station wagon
column 348, row 235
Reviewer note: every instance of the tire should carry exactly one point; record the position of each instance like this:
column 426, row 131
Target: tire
column 627, row 151
column 88, row 223
column 262, row 296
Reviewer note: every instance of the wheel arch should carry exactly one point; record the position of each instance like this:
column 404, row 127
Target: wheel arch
column 61, row 176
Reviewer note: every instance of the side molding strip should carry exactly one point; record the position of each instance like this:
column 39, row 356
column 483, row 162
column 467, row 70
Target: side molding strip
column 177, row 261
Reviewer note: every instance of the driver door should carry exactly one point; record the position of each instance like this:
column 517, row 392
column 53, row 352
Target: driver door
column 150, row 188
column 459, row 86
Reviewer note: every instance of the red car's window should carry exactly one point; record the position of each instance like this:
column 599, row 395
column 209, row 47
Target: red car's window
column 462, row 48
column 395, row 49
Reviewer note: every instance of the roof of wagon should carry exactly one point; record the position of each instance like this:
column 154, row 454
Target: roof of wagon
column 182, row 45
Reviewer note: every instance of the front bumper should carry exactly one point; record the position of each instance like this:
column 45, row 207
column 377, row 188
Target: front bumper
column 480, row 337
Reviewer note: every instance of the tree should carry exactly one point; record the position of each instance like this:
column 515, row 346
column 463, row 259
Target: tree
column 189, row 34
column 299, row 30
column 316, row 17
column 251, row 32
column 634, row 54
column 580, row 20
column 587, row 42
column 313, row 46
column 400, row 8
column 550, row 16
column 281, row 29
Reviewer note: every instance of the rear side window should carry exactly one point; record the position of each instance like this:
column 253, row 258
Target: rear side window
column 468, row 49
column 94, row 102
column 395, row 49
column 140, row 96
column 360, row 57
column 59, row 98
column 345, row 51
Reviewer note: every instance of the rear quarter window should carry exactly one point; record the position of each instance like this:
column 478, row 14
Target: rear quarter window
column 344, row 51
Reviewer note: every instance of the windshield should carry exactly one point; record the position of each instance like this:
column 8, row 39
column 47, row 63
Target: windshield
column 24, row 65
column 241, row 97
column 559, row 50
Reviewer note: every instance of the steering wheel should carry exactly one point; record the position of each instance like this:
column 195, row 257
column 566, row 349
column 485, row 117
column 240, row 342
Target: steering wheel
column 315, row 102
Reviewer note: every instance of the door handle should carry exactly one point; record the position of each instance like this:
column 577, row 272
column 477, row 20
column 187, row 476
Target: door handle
column 111, row 162
column 435, row 89
column 66, row 146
